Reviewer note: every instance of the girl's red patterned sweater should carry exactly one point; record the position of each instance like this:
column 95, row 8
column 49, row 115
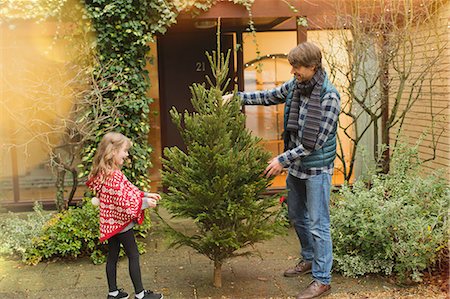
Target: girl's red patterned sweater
column 120, row 203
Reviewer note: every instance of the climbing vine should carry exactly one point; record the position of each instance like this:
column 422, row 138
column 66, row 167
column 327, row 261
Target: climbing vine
column 198, row 6
column 124, row 29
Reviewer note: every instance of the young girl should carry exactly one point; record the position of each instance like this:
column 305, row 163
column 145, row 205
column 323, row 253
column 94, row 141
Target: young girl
column 121, row 206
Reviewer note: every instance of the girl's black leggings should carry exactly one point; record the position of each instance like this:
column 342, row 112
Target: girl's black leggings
column 129, row 244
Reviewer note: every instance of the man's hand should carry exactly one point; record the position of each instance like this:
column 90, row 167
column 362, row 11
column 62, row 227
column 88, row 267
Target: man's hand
column 274, row 168
column 226, row 98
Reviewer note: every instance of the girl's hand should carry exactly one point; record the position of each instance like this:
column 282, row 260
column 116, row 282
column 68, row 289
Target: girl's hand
column 155, row 196
column 152, row 202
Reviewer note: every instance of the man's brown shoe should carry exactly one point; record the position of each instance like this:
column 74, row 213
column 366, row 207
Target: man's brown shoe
column 314, row 290
column 302, row 267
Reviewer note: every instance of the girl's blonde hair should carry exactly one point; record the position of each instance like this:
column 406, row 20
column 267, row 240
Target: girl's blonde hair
column 104, row 162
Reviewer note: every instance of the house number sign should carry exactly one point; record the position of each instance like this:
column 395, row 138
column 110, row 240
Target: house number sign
column 200, row 66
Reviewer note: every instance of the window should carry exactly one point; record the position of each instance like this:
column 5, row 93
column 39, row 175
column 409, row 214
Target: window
column 266, row 72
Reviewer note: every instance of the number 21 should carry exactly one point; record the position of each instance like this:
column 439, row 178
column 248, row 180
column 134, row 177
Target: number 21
column 200, row 66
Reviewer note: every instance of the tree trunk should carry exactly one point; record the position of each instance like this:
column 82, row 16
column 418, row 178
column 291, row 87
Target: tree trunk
column 384, row 81
column 60, row 201
column 74, row 172
column 217, row 274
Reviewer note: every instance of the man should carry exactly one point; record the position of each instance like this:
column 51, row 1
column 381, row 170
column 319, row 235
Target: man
column 312, row 107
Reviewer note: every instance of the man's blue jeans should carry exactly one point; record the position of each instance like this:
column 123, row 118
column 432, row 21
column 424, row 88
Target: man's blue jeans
column 309, row 211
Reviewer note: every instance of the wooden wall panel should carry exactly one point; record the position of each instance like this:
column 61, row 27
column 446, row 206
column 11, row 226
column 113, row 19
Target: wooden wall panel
column 434, row 97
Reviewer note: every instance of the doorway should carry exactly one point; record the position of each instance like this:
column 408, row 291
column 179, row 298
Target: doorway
column 181, row 62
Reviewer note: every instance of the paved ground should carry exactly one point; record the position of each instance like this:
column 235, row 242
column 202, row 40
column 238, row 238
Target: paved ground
column 181, row 273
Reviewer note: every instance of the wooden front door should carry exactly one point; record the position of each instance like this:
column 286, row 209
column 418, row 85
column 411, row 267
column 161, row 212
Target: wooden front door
column 181, row 62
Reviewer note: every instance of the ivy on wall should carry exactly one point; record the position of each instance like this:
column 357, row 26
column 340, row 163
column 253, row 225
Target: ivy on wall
column 198, row 6
column 124, row 29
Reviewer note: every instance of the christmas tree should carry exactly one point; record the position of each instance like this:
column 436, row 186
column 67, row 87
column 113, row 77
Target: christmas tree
column 218, row 181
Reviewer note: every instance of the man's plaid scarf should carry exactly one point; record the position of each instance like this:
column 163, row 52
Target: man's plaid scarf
column 310, row 89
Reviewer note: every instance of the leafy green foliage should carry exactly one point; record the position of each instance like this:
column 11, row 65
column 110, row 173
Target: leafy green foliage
column 393, row 224
column 16, row 231
column 199, row 6
column 72, row 233
column 218, row 181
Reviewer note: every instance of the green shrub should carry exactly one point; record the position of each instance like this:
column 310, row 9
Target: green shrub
column 396, row 223
column 16, row 231
column 73, row 233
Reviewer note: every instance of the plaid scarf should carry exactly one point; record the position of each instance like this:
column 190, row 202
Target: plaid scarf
column 310, row 89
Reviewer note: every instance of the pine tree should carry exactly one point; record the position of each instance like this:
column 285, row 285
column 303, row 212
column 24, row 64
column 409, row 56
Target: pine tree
column 218, row 181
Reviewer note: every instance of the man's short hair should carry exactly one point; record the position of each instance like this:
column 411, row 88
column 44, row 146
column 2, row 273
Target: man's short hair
column 305, row 54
